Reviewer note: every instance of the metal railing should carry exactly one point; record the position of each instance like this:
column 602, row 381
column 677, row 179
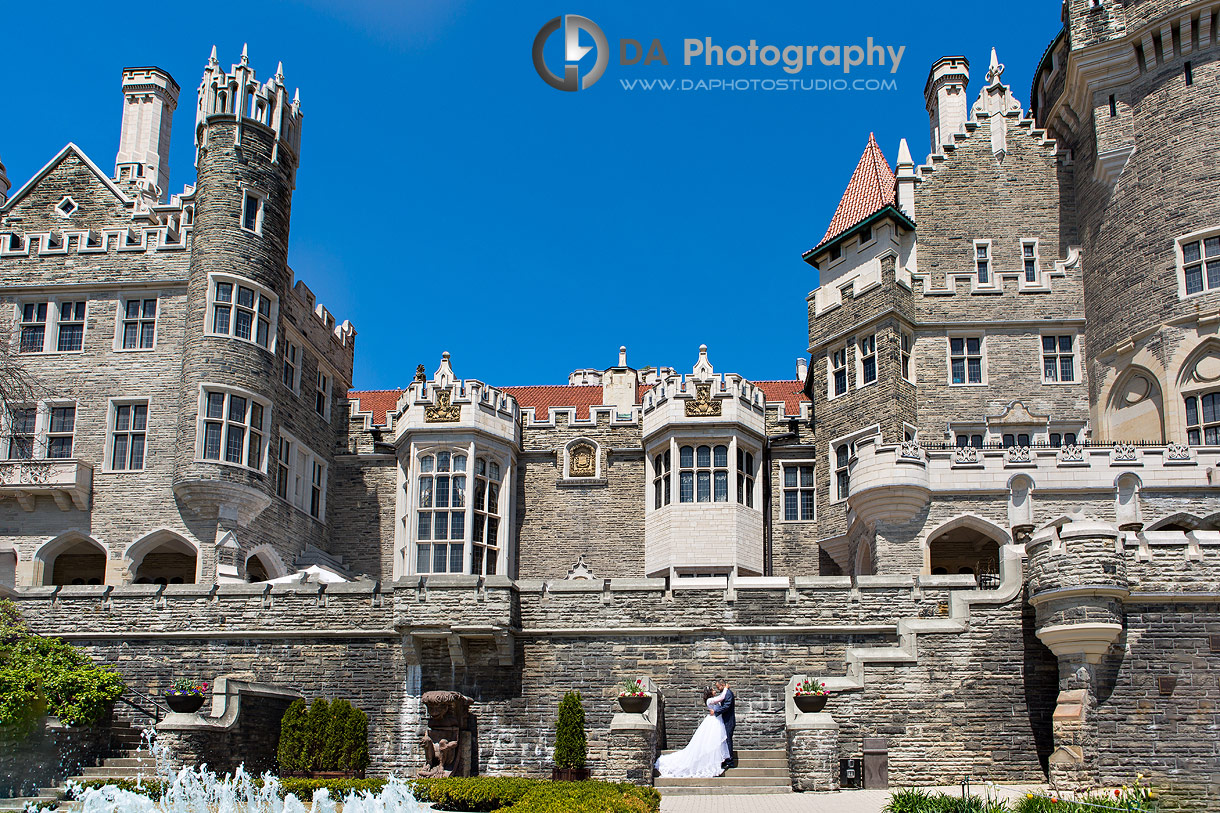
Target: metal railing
column 157, row 710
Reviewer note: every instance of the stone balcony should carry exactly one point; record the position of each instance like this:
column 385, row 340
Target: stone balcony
column 68, row 482
column 890, row 482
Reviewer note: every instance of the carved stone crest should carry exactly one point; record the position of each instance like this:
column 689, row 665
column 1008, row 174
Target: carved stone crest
column 703, row 406
column 581, row 460
column 443, row 411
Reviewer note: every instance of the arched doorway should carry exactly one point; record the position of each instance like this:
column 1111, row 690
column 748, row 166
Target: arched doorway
column 256, row 571
column 72, row 559
column 163, row 558
column 963, row 549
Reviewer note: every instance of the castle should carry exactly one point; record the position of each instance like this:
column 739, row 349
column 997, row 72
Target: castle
column 985, row 510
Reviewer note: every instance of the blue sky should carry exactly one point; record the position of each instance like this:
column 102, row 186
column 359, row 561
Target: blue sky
column 448, row 199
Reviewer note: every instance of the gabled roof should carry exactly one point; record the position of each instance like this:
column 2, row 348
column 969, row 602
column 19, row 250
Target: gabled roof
column 56, row 161
column 870, row 190
column 547, row 396
column 378, row 402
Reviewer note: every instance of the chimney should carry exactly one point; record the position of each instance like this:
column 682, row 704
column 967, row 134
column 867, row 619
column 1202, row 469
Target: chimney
column 945, row 97
column 4, row 184
column 905, row 180
column 802, row 368
column 619, row 385
column 150, row 96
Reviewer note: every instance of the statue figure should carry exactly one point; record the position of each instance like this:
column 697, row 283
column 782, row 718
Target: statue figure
column 447, row 742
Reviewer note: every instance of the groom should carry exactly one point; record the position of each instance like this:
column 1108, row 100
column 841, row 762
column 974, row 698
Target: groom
column 727, row 716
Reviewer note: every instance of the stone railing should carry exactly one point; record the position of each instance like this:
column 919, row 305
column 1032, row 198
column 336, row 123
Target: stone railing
column 68, row 482
column 888, row 482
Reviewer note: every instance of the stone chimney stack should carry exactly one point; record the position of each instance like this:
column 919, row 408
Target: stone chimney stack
column 945, row 96
column 150, row 96
column 619, row 385
column 802, row 367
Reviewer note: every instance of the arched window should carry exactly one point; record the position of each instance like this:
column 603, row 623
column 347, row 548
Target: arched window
column 660, row 482
column 1203, row 419
column 441, row 524
column 485, row 551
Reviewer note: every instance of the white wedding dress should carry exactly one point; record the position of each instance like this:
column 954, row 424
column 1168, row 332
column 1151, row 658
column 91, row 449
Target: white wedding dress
column 705, row 753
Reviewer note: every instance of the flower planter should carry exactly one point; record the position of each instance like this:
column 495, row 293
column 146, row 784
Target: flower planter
column 633, row 703
column 810, row 703
column 569, row 774
column 184, row 703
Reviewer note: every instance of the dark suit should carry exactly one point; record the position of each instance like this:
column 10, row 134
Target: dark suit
column 728, row 716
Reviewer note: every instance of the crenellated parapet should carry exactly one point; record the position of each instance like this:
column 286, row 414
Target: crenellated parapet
column 704, row 397
column 237, row 95
column 447, row 404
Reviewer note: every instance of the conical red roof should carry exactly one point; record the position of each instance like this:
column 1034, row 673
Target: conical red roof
column 871, row 188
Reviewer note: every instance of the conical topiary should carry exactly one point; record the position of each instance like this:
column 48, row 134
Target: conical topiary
column 317, row 722
column 570, row 743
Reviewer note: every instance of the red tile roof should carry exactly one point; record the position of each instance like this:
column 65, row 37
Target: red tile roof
column 871, row 188
column 545, row 397
column 376, row 401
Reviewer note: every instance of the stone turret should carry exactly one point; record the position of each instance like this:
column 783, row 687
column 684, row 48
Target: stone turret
column 247, row 135
column 150, row 96
column 1077, row 585
column 945, row 97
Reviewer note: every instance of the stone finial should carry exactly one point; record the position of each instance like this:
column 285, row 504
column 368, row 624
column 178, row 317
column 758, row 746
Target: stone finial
column 420, row 375
column 995, row 70
column 279, row 72
column 245, row 53
column 904, row 155
column 703, row 368
column 212, row 60
column 579, row 571
column 622, row 355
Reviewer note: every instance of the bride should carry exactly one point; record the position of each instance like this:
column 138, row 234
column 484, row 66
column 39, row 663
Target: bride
column 707, row 750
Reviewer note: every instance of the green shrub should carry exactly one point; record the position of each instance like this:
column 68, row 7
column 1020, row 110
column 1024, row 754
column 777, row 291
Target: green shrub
column 587, row 797
column 570, row 743
column 914, row 800
column 48, row 675
column 291, row 751
column 472, row 793
column 152, row 788
column 304, row 789
column 346, row 746
column 317, row 722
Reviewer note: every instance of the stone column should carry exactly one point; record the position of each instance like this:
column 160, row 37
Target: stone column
column 813, row 745
column 631, row 749
column 1078, row 581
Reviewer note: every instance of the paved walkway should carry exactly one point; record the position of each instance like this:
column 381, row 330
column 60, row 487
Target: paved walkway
column 847, row 801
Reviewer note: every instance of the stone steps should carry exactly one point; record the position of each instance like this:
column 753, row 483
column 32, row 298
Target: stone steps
column 146, row 760
column 759, row 770
column 20, row 802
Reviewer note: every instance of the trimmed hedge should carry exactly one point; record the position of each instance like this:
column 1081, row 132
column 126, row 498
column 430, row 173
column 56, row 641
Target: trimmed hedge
column 323, row 737
column 588, row 797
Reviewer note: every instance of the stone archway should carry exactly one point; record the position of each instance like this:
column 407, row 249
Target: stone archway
column 8, row 568
column 163, row 557
column 964, row 547
column 72, row 558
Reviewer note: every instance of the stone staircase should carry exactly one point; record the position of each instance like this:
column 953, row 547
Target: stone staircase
column 762, row 770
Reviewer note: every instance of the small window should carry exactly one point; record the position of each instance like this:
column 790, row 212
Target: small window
column 799, row 493
column 71, row 327
column 1113, row 106
column 233, row 427
column 836, row 251
column 661, row 479
column 127, row 438
column 838, row 372
column 321, row 403
column 1058, row 360
column 1021, row 439
column 1029, row 256
column 966, row 439
column 59, row 435
column 866, row 234
column 868, row 360
column 291, row 366
column 1062, row 439
column 905, row 355
column 283, row 468
column 1201, row 264
column 242, row 310
column 982, row 262
column 252, row 213
column 1188, row 74
column 745, row 478
column 842, row 461
column 966, row 360
column 1203, row 419
column 139, row 324
column 33, row 327
column 22, row 433
column 66, row 207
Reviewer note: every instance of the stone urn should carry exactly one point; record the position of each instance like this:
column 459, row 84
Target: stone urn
column 633, row 703
column 184, row 703
column 810, row 703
